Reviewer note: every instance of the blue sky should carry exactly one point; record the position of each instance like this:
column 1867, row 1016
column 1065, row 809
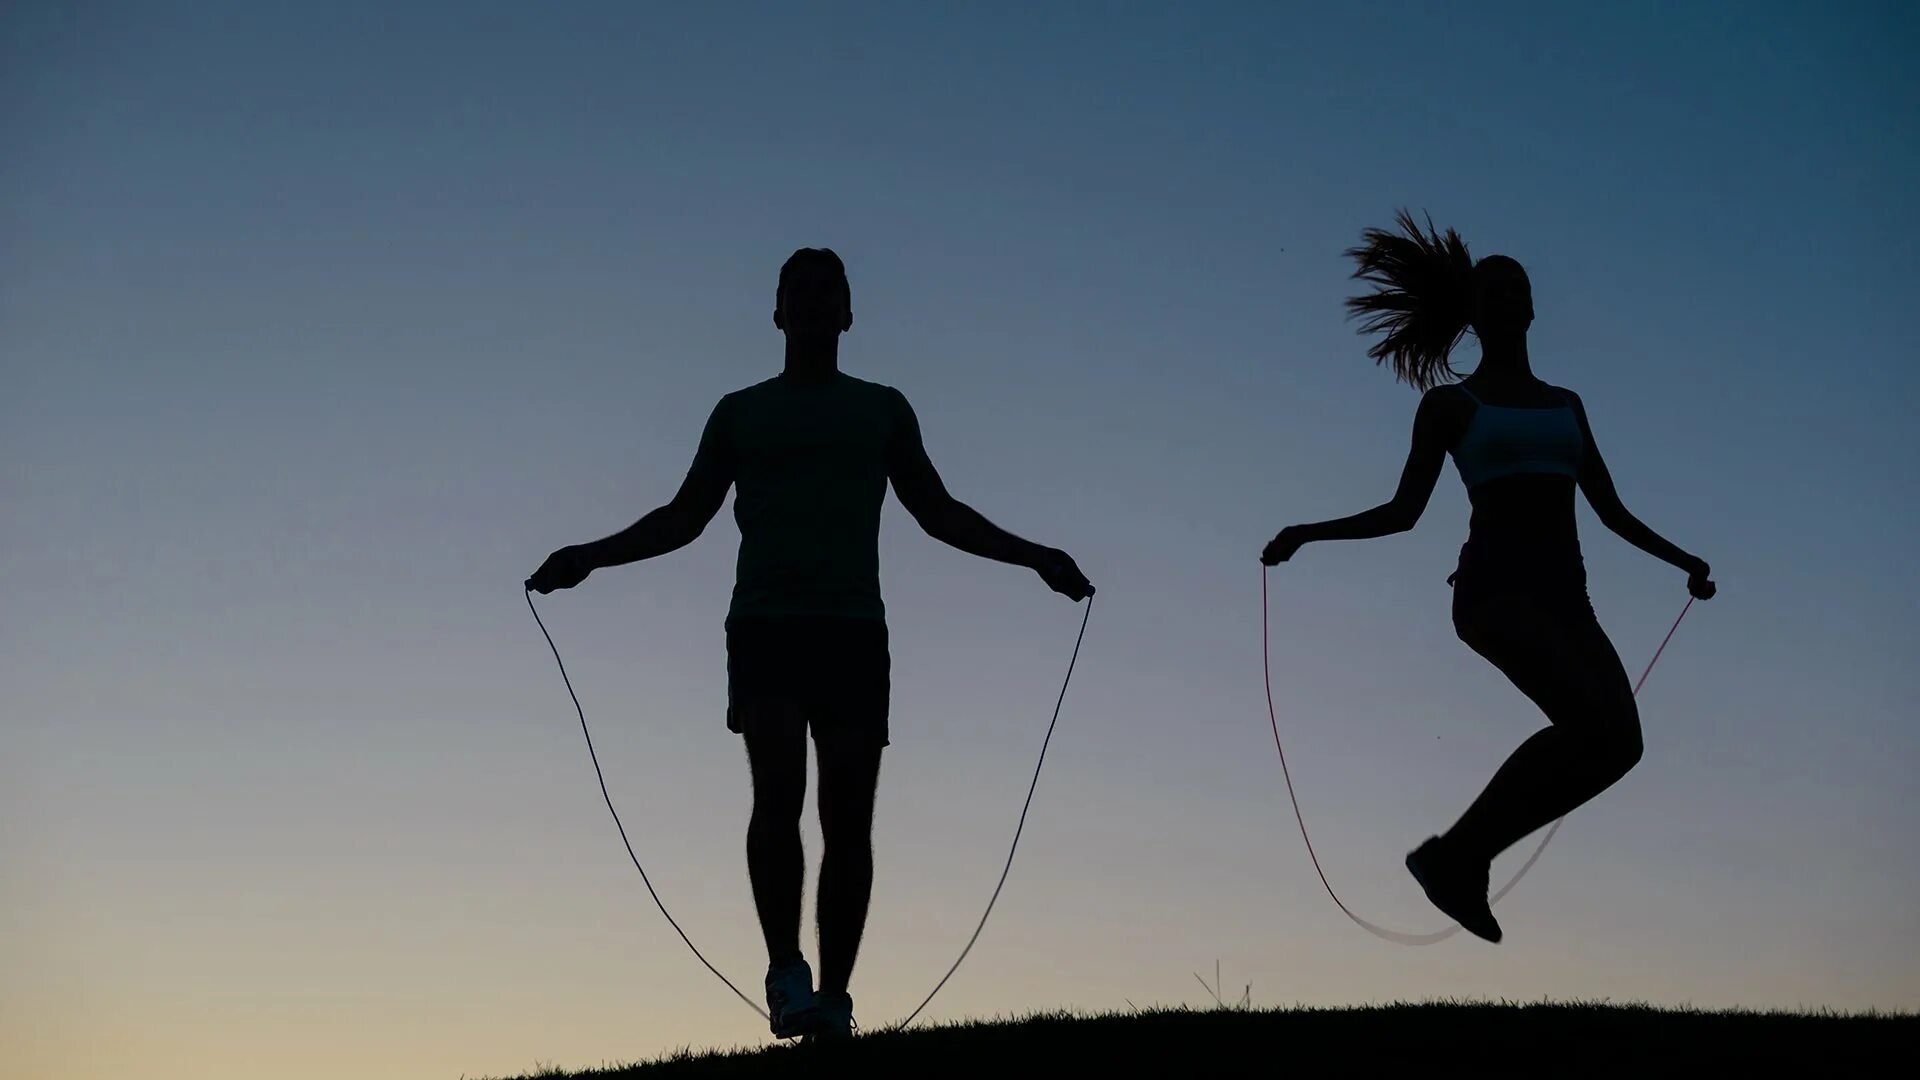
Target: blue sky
column 319, row 328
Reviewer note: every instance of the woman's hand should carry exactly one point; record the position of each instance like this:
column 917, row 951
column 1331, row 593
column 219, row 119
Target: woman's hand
column 1282, row 547
column 1699, row 580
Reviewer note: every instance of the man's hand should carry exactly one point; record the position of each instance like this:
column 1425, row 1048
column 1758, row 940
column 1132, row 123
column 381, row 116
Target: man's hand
column 1057, row 569
column 563, row 570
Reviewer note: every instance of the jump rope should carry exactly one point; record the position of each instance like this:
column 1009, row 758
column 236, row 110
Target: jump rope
column 671, row 921
column 1398, row 936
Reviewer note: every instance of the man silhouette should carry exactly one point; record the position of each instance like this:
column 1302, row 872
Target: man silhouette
column 811, row 452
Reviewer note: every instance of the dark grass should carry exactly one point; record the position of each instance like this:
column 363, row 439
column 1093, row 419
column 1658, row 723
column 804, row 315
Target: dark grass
column 1498, row 1039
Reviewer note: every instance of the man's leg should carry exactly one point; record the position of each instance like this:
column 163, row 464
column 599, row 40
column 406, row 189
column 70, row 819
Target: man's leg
column 849, row 777
column 777, row 754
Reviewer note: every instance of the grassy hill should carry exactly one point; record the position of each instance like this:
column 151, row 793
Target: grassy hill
column 1539, row 1040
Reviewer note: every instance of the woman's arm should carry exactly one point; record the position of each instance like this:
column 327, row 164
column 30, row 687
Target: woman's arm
column 1434, row 427
column 1597, row 483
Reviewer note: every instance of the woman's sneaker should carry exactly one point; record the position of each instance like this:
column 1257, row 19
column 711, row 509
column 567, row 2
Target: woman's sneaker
column 1460, row 892
column 832, row 1018
column 791, row 1005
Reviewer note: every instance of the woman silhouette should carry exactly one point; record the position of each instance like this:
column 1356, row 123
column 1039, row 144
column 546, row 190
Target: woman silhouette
column 1520, row 597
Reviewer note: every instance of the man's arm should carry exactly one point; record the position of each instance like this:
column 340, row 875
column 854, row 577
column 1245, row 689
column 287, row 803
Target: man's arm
column 668, row 528
column 918, row 486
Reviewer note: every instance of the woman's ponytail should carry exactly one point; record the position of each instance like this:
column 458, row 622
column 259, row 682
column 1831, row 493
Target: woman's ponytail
column 1422, row 302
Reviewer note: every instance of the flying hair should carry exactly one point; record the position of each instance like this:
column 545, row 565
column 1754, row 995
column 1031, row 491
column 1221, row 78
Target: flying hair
column 1422, row 302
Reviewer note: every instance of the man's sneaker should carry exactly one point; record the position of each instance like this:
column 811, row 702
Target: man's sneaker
column 791, row 1006
column 832, row 1018
column 1460, row 892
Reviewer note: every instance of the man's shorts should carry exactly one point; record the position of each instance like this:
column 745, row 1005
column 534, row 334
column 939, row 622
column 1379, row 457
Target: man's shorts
column 837, row 670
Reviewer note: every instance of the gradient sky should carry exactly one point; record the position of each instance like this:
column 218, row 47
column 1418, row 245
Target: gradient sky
column 320, row 328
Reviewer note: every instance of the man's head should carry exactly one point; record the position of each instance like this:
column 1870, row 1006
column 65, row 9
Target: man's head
column 814, row 300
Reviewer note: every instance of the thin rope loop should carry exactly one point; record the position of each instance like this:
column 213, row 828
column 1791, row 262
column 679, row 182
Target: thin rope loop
column 657, row 902
column 1017, row 829
column 1012, row 848
column 1402, row 937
